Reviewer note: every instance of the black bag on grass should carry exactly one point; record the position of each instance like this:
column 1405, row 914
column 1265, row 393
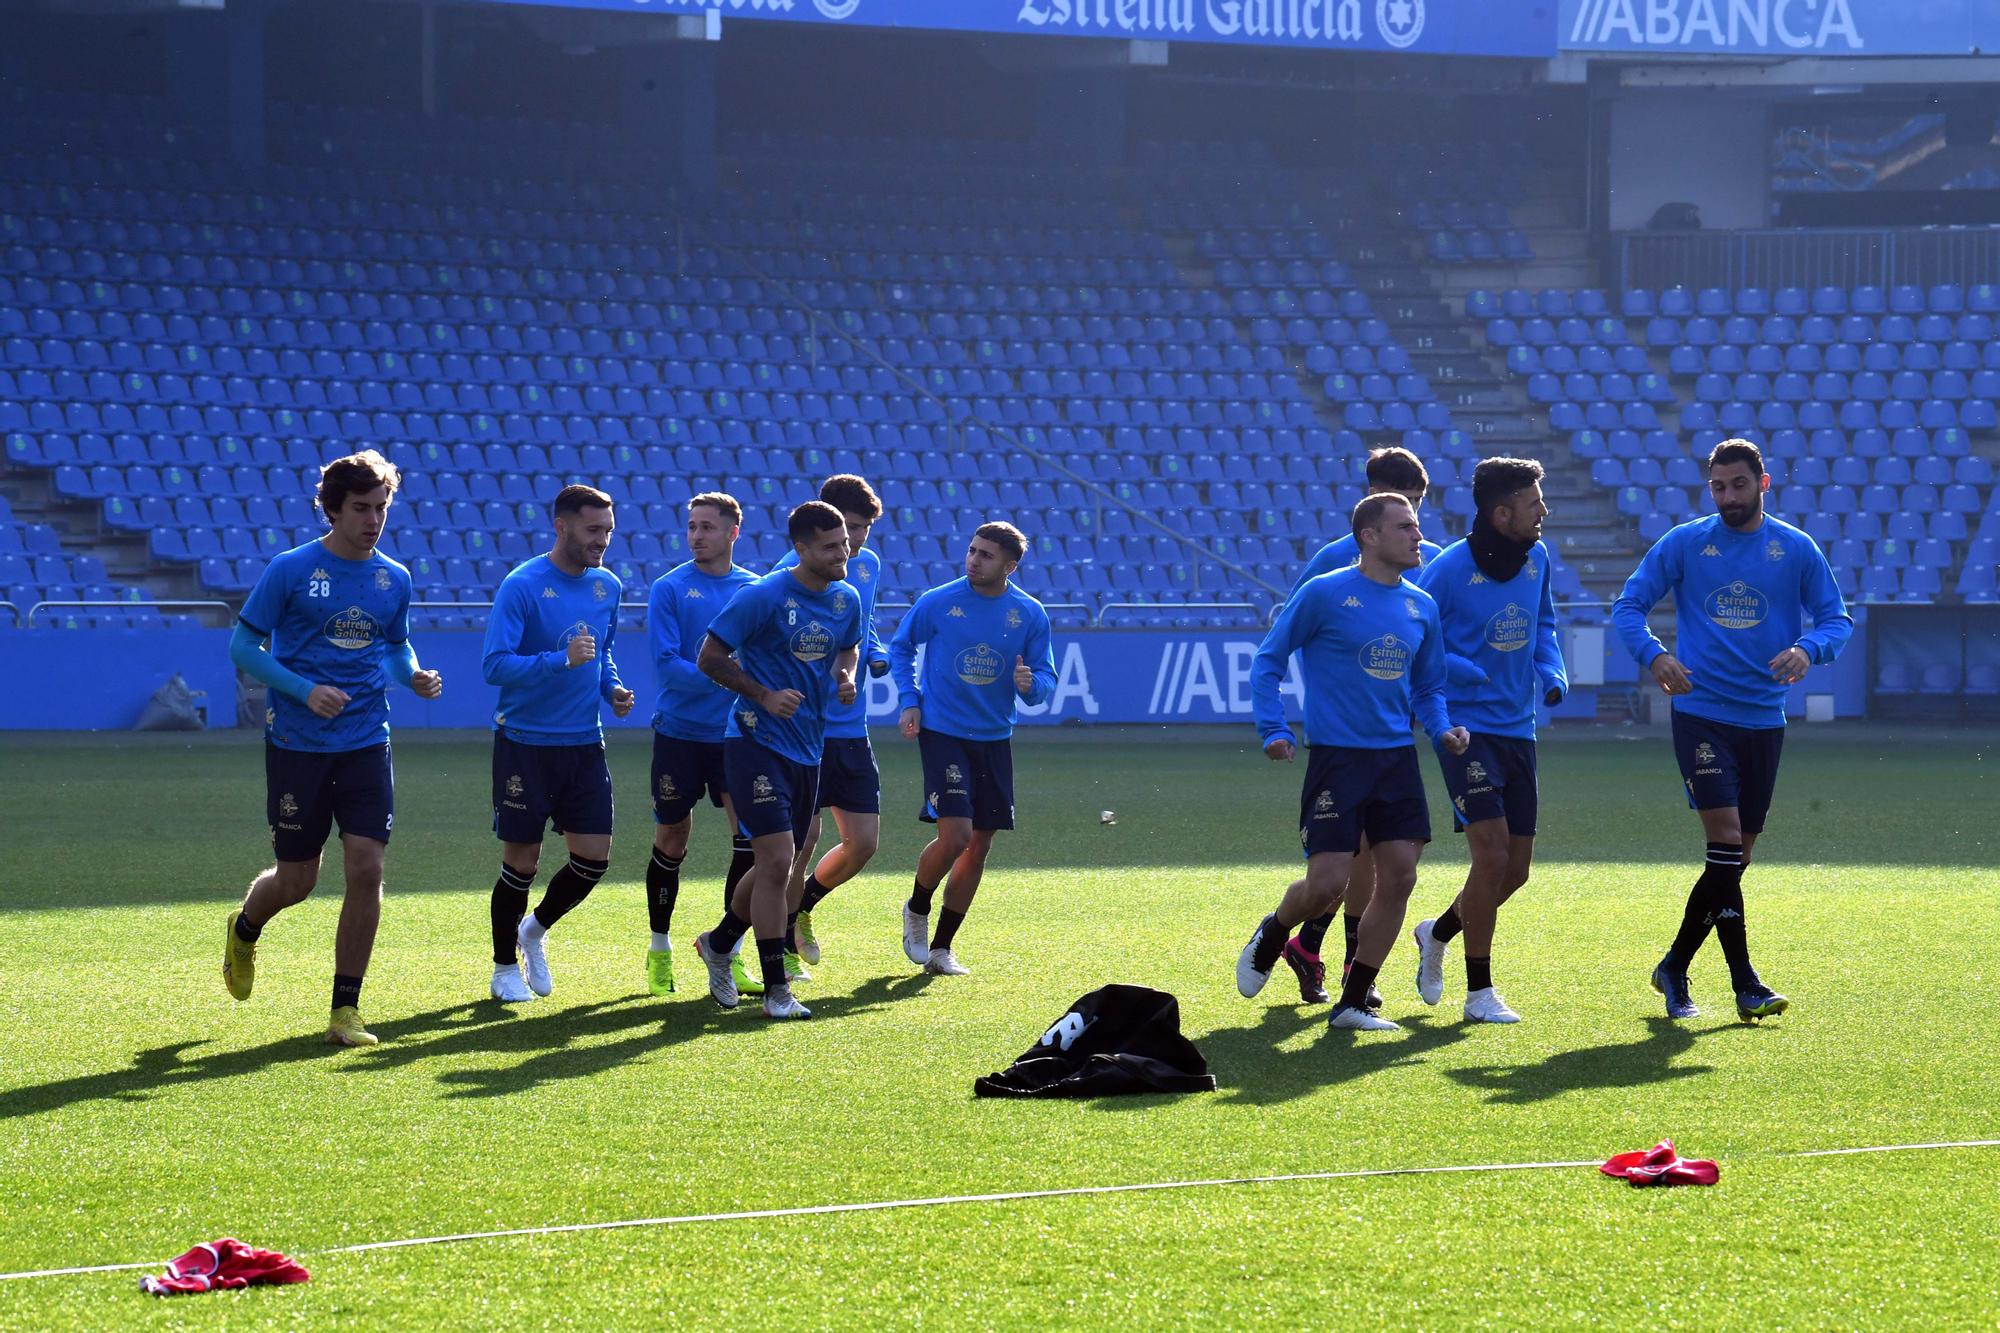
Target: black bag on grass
column 1116, row 1039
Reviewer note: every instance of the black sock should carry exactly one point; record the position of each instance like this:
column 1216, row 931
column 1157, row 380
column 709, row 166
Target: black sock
column 920, row 898
column 1724, row 866
column 815, row 894
column 741, row 858
column 727, row 931
column 791, row 927
column 346, row 991
column 570, row 886
column 1352, row 925
column 1446, row 927
column 510, row 904
column 1478, row 973
column 663, row 890
column 771, row 953
column 1354, row 991
column 246, row 929
column 1731, row 931
column 947, row 927
column 1271, row 937
column 1313, row 933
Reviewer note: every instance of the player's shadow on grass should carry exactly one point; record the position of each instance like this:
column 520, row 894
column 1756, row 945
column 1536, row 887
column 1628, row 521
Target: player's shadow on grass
column 872, row 994
column 1249, row 1068
column 1625, row 1064
column 162, row 1068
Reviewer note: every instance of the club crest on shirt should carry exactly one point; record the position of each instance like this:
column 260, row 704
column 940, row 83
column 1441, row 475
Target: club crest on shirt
column 1508, row 630
column 1775, row 551
column 1013, row 618
column 598, row 591
column 288, row 806
column 352, row 629
column 382, row 579
column 1386, row 658
column 1737, row 606
column 811, row 641
column 865, row 575
column 515, row 786
column 979, row 665
column 1532, row 571
column 1410, row 605
column 839, row 602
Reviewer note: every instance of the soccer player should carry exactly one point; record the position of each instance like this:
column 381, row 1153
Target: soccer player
column 543, row 651
column 986, row 644
column 1497, row 610
column 336, row 615
column 691, row 715
column 1743, row 584
column 1391, row 471
column 1372, row 656
column 850, row 782
column 796, row 635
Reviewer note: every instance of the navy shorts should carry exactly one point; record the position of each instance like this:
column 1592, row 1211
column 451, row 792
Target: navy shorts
column 1724, row 765
column 848, row 777
column 305, row 791
column 684, row 772
column 771, row 794
column 967, row 780
column 536, row 786
column 1493, row 779
column 1353, row 793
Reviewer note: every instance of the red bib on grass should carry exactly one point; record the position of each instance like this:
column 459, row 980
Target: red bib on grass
column 223, row 1265
column 1661, row 1165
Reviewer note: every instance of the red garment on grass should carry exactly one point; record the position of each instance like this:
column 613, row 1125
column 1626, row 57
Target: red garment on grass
column 1661, row 1165
column 223, row 1265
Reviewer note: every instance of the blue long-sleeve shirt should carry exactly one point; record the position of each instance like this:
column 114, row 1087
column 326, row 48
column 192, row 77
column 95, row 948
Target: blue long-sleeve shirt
column 330, row 622
column 788, row 637
column 1740, row 598
column 864, row 571
column 690, row 706
column 1344, row 551
column 970, row 641
column 1500, row 640
column 538, row 610
column 1371, row 656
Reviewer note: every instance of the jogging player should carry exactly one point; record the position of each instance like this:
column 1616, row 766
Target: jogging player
column 690, row 717
column 543, row 650
column 1372, row 656
column 986, row 645
column 1743, row 584
column 1497, row 610
column 796, row 635
column 336, row 616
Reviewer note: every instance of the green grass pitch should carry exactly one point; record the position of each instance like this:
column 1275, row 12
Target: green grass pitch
column 142, row 1110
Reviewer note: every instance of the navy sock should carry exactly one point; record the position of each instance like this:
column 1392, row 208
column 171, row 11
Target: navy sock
column 947, row 927
column 920, row 898
column 1354, row 991
column 246, row 929
column 1446, row 927
column 771, row 953
column 741, row 858
column 1313, row 933
column 569, row 886
column 1478, row 973
column 509, row 905
column 815, row 894
column 346, row 991
column 727, row 931
column 663, row 890
column 1352, row 925
column 1726, row 912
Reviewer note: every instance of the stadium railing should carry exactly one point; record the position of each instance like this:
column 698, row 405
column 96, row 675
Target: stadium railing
column 28, row 621
column 1821, row 257
column 18, row 621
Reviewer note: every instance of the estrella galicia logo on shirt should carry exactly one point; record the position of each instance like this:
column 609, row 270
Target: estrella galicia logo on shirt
column 979, row 665
column 1386, row 658
column 811, row 641
column 1508, row 630
column 1737, row 606
column 352, row 629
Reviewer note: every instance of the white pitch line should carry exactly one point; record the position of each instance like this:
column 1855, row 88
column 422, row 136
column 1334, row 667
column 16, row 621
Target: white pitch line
column 1013, row 1196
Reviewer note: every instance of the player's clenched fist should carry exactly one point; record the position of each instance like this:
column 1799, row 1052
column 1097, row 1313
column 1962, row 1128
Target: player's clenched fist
column 622, row 700
column 582, row 648
column 1280, row 750
column 1024, row 676
column 326, row 700
column 427, row 684
column 1456, row 740
column 912, row 722
column 783, row 703
column 844, row 687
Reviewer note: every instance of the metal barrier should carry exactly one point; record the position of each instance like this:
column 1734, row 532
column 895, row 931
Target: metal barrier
column 18, row 622
column 1174, row 608
column 1815, row 257
column 28, row 621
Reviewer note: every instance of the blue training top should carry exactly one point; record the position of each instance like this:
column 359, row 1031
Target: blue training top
column 1345, row 551
column 538, row 610
column 1503, row 637
column 332, row 622
column 970, row 641
column 787, row 637
column 864, row 571
column 690, row 707
column 1372, row 656
column 1740, row 598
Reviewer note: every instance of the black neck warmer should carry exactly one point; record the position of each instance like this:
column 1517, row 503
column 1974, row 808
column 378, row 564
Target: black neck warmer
column 1498, row 556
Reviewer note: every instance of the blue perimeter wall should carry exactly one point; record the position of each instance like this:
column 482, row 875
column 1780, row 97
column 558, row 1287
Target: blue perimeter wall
column 96, row 680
